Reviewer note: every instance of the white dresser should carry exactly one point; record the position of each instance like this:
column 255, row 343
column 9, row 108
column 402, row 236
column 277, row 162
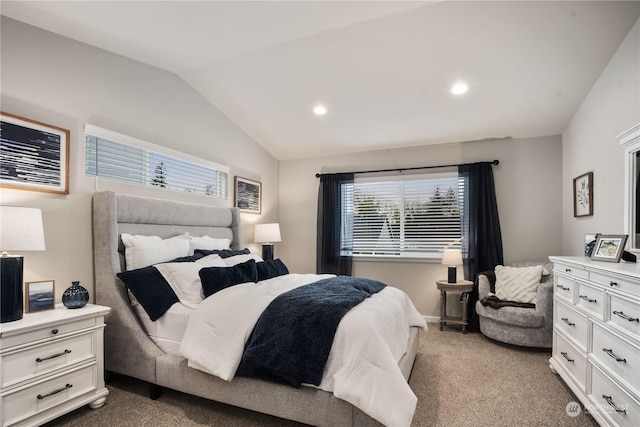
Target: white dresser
column 596, row 336
column 52, row 362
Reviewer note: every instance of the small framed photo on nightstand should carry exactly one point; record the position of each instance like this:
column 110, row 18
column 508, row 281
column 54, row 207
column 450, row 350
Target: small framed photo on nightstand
column 39, row 296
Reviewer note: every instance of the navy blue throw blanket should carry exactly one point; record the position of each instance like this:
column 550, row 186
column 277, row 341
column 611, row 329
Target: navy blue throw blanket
column 292, row 338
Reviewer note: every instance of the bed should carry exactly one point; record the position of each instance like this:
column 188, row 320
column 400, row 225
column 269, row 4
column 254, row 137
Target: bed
column 130, row 350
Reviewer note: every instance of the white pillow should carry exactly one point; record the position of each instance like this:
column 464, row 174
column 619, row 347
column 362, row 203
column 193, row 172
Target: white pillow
column 518, row 283
column 184, row 278
column 142, row 251
column 208, row 243
column 237, row 259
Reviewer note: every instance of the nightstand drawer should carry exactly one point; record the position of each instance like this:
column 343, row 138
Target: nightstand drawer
column 612, row 401
column 27, row 363
column 618, row 355
column 28, row 401
column 26, row 337
column 572, row 324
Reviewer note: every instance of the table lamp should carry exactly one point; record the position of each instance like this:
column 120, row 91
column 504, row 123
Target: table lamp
column 20, row 230
column 452, row 258
column 267, row 234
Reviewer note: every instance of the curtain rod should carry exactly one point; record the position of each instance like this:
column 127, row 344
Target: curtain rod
column 495, row 162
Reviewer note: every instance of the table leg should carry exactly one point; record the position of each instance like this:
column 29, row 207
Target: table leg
column 443, row 308
column 465, row 300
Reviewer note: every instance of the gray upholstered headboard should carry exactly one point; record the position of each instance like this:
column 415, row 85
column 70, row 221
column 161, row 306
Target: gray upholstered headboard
column 128, row 349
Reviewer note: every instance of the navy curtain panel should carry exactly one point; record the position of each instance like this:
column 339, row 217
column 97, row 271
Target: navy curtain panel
column 328, row 254
column 481, row 236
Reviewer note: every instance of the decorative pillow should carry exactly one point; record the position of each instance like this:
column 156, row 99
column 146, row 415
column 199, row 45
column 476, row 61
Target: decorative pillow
column 184, row 278
column 142, row 251
column 237, row 259
column 150, row 289
column 208, row 243
column 224, row 253
column 215, row 279
column 271, row 268
column 518, row 283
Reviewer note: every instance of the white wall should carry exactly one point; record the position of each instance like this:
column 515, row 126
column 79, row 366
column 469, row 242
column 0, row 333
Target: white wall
column 529, row 203
column 589, row 145
column 58, row 81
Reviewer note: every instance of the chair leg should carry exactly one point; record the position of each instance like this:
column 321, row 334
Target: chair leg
column 154, row 391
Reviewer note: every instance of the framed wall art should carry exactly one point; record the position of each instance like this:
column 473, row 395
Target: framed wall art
column 39, row 296
column 583, row 195
column 33, row 156
column 609, row 247
column 248, row 195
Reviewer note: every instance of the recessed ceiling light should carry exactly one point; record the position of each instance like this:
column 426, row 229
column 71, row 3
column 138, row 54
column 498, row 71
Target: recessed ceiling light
column 459, row 88
column 320, row 110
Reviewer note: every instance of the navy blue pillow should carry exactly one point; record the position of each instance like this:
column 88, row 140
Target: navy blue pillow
column 224, row 253
column 271, row 268
column 150, row 289
column 215, row 279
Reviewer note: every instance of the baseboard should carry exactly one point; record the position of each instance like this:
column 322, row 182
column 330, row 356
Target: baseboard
column 432, row 319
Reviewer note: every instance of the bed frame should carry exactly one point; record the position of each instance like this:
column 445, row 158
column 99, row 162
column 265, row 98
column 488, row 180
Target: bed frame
column 130, row 351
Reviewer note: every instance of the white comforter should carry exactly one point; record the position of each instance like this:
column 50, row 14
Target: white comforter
column 362, row 368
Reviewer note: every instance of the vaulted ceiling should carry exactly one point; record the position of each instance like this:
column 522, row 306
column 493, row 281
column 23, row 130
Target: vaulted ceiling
column 383, row 70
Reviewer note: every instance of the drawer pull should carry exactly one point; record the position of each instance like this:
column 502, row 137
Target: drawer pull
column 610, row 353
column 562, row 287
column 39, row 359
column 586, row 298
column 566, row 320
column 564, row 354
column 612, row 283
column 54, row 331
column 617, row 408
column 567, row 270
column 624, row 316
column 40, row 396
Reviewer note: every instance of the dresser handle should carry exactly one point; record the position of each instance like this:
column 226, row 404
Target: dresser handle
column 567, row 270
column 566, row 357
column 562, row 287
column 566, row 320
column 613, row 405
column 624, row 316
column 586, row 298
column 40, row 396
column 610, row 353
column 53, row 357
column 54, row 331
column 612, row 283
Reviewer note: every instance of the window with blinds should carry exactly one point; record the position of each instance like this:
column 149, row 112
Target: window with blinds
column 403, row 216
column 119, row 157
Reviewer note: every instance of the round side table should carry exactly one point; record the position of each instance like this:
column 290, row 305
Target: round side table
column 461, row 286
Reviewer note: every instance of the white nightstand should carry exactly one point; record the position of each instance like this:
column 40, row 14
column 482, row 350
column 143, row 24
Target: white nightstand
column 52, row 363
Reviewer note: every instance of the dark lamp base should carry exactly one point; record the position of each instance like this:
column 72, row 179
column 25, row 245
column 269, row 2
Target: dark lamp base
column 267, row 252
column 11, row 300
column 452, row 274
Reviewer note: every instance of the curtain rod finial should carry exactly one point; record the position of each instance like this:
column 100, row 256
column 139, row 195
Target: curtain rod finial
column 496, row 162
column 318, row 175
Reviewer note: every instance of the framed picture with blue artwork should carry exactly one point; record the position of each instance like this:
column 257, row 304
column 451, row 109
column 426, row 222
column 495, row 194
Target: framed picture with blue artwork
column 34, row 156
column 583, row 195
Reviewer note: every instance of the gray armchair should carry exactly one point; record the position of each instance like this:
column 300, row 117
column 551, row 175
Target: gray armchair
column 527, row 327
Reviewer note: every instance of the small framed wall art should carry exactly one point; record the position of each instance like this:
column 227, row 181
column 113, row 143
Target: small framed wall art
column 248, row 195
column 33, row 156
column 39, row 296
column 609, row 247
column 583, row 195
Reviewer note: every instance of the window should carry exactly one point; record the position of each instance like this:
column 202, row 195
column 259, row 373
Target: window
column 122, row 158
column 401, row 216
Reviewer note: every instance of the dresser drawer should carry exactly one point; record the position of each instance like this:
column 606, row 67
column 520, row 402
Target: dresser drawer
column 571, row 359
column 27, row 363
column 564, row 288
column 625, row 313
column 25, row 337
column 618, row 355
column 572, row 324
column 613, row 402
column 613, row 282
column 25, row 402
column 571, row 270
column 591, row 299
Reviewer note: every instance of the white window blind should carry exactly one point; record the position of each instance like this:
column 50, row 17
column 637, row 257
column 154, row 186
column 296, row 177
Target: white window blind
column 411, row 216
column 123, row 158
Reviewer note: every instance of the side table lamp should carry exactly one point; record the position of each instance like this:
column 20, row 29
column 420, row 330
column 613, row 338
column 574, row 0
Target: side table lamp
column 267, row 234
column 452, row 258
column 20, row 230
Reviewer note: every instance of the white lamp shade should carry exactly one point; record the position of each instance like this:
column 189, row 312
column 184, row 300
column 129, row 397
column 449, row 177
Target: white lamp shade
column 452, row 257
column 21, row 229
column 267, row 233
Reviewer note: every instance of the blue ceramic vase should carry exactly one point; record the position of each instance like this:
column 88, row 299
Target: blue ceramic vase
column 76, row 296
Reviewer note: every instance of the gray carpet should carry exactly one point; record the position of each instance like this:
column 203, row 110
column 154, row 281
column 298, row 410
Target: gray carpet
column 460, row 380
